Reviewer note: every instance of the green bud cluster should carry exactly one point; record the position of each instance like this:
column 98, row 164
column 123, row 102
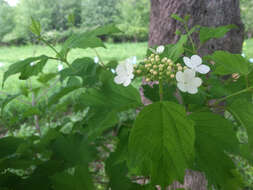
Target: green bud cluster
column 155, row 68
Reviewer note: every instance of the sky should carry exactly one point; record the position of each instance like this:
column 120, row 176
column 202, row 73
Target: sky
column 12, row 2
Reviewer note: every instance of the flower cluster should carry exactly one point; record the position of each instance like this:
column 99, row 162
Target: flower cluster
column 159, row 68
column 155, row 68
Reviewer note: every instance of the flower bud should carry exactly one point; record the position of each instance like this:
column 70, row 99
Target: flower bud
column 180, row 68
column 147, row 79
column 168, row 73
column 172, row 76
column 155, row 73
column 154, row 66
column 169, row 68
column 178, row 64
column 185, row 67
column 138, row 71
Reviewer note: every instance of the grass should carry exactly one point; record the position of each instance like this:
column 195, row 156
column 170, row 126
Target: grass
column 9, row 55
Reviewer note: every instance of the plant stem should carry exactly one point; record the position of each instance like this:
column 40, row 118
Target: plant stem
column 36, row 118
column 161, row 90
column 189, row 36
column 234, row 94
column 99, row 57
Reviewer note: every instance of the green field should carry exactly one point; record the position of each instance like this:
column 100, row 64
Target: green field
column 9, row 55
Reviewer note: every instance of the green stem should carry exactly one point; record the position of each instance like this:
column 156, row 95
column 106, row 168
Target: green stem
column 52, row 47
column 99, row 57
column 234, row 94
column 189, row 36
column 161, row 90
column 57, row 53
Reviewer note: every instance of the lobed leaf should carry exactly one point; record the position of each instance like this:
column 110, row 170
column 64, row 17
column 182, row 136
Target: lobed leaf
column 161, row 143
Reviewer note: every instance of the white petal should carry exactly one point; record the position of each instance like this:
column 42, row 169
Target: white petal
column 60, row 67
column 131, row 76
column 196, row 60
column 134, row 60
column 196, row 82
column 96, row 59
column 181, row 86
column 203, row 69
column 187, row 62
column 160, row 49
column 118, row 80
column 179, row 76
column 189, row 74
column 127, row 82
column 192, row 89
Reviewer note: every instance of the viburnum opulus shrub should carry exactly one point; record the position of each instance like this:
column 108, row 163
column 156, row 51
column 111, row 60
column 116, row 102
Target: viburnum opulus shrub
column 179, row 130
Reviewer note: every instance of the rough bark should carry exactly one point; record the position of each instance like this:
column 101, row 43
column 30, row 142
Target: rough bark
column 205, row 13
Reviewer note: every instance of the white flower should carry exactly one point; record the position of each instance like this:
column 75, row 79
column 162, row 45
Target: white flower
column 60, row 67
column 251, row 60
column 195, row 63
column 132, row 60
column 187, row 82
column 124, row 73
column 160, row 49
column 1, row 64
column 32, row 64
column 96, row 59
column 243, row 55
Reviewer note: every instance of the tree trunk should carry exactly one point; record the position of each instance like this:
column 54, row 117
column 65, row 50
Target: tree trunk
column 204, row 13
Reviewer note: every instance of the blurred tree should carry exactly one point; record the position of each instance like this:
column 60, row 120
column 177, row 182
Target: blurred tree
column 6, row 19
column 53, row 15
column 134, row 18
column 98, row 12
column 247, row 16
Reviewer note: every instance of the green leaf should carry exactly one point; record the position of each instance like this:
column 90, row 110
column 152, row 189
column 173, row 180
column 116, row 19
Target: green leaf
column 25, row 69
column 73, row 149
column 79, row 181
column 207, row 33
column 215, row 137
column 35, row 27
column 152, row 93
column 88, row 39
column 176, row 50
column 227, row 63
column 162, row 142
column 178, row 18
column 99, row 120
column 4, row 102
column 112, row 96
column 9, row 145
column 84, row 68
column 242, row 110
column 55, row 98
column 45, row 78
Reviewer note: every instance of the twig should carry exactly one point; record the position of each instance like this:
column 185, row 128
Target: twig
column 99, row 57
column 36, row 118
